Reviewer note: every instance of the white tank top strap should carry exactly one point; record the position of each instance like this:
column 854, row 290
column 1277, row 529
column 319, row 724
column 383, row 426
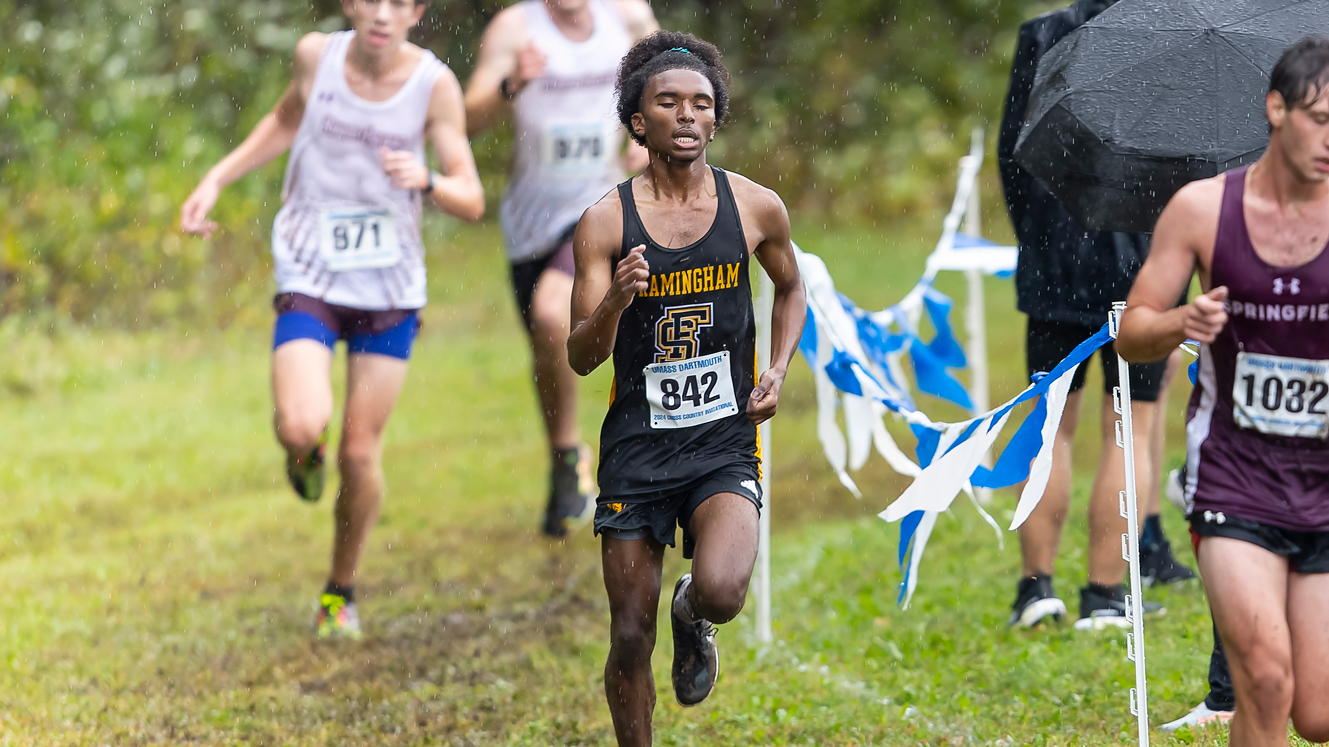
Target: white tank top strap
column 343, row 233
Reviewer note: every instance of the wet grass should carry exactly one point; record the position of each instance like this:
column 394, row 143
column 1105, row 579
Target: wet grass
column 157, row 576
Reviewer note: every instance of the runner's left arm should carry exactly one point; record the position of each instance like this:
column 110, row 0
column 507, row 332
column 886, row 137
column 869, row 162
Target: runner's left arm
column 457, row 191
column 789, row 312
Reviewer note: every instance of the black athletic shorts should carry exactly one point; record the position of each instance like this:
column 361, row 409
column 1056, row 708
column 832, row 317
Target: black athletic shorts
column 1306, row 552
column 657, row 515
column 526, row 273
column 1048, row 342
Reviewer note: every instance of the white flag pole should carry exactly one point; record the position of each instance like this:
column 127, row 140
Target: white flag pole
column 765, row 303
column 975, row 311
column 1130, row 541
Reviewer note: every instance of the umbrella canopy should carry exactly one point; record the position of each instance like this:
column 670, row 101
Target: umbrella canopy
column 1151, row 95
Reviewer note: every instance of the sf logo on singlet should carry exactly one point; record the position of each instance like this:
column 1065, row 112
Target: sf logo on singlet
column 676, row 332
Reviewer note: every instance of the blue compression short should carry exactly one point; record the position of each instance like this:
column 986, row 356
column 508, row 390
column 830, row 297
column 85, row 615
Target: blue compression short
column 363, row 331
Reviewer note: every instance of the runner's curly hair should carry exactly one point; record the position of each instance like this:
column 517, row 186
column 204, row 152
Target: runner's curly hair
column 661, row 52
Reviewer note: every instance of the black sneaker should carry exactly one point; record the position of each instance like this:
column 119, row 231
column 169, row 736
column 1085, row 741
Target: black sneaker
column 1105, row 607
column 1158, row 566
column 1035, row 600
column 567, row 498
column 696, row 659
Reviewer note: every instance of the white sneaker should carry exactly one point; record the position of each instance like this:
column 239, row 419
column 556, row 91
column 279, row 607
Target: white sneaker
column 1200, row 716
column 1176, row 492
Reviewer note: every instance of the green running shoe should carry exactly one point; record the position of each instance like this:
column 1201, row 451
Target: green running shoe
column 336, row 618
column 306, row 473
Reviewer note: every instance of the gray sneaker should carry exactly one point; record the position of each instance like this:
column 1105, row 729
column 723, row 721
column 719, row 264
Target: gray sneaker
column 696, row 659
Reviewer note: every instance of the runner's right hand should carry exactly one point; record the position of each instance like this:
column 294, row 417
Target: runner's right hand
column 632, row 277
column 1205, row 316
column 530, row 65
column 194, row 213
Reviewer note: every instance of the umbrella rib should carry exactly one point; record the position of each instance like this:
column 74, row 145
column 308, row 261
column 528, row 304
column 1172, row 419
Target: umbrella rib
column 1263, row 13
column 1240, row 53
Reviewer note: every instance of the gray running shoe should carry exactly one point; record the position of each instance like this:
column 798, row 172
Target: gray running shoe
column 1099, row 611
column 1034, row 601
column 306, row 474
column 696, row 659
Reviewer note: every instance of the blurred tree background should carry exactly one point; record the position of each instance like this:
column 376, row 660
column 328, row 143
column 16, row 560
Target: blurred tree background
column 111, row 110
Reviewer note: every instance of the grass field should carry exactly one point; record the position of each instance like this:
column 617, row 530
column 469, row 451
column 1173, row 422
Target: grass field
column 157, row 575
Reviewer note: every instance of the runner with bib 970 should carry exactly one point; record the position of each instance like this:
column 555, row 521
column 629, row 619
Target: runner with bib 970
column 347, row 251
column 1258, row 429
column 662, row 286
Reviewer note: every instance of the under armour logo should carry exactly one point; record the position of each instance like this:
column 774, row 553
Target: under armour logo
column 1215, row 517
column 1293, row 286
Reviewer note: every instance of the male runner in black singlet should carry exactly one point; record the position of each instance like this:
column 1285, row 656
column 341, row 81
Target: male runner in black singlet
column 662, row 285
column 1258, row 427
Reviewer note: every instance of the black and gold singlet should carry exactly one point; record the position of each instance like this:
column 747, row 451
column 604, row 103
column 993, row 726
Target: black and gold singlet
column 684, row 361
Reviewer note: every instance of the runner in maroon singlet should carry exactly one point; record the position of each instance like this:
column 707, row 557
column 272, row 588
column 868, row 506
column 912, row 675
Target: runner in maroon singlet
column 1258, row 428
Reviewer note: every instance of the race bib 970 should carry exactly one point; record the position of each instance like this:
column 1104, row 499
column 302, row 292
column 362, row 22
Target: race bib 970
column 358, row 238
column 575, row 148
column 690, row 392
column 1281, row 396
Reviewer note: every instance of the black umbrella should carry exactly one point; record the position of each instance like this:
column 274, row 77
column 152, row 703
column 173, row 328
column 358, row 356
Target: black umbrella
column 1152, row 94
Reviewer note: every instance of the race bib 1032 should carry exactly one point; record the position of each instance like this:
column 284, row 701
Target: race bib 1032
column 1281, row 396
column 690, row 392
column 358, row 238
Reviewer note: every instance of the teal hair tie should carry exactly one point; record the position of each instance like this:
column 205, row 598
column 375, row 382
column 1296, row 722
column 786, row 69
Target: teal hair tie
column 684, row 50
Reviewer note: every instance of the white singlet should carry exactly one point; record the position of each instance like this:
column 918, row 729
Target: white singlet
column 343, row 233
column 568, row 138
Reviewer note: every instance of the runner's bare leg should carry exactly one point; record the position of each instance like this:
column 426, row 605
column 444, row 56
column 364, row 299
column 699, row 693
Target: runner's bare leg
column 632, row 571
column 1308, row 618
column 725, row 530
column 301, row 393
column 554, row 378
column 1248, row 595
column 373, row 383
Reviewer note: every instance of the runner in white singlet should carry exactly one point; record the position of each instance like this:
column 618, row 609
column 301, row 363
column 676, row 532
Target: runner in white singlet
column 554, row 62
column 347, row 251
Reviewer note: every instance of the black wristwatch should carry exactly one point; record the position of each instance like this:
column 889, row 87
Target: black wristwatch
column 430, row 186
column 505, row 88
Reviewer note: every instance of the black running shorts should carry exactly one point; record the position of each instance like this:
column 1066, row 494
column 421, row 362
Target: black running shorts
column 1306, row 552
column 527, row 273
column 656, row 516
column 1048, row 342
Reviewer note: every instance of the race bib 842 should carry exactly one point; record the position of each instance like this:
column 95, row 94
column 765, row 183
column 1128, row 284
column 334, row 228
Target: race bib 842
column 690, row 392
column 1281, row 396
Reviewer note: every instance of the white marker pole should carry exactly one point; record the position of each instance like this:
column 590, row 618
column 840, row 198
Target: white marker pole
column 975, row 312
column 1130, row 541
column 765, row 302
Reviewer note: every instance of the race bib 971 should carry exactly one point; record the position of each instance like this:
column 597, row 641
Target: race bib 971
column 1281, row 396
column 358, row 238
column 575, row 148
column 686, row 393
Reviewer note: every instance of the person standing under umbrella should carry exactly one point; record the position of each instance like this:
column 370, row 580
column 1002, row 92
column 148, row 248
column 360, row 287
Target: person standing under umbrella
column 1066, row 280
column 1258, row 426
